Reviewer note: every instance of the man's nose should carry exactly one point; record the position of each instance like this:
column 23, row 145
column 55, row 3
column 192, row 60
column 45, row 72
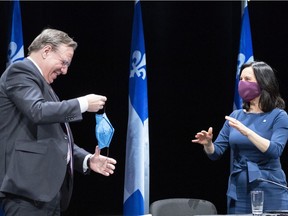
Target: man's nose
column 64, row 70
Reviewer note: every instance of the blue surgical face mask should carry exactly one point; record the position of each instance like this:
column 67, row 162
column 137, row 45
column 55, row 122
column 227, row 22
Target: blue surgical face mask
column 104, row 130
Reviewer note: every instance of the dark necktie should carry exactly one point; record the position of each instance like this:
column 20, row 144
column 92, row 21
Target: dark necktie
column 70, row 151
column 69, row 135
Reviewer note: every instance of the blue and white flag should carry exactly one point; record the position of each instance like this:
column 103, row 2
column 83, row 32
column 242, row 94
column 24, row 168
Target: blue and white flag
column 137, row 166
column 15, row 47
column 245, row 52
column 245, row 55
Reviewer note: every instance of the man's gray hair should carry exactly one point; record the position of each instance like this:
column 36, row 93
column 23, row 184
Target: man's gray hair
column 52, row 37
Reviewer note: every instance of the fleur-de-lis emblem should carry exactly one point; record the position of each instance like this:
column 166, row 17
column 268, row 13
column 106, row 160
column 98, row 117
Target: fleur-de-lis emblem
column 241, row 61
column 14, row 54
column 138, row 64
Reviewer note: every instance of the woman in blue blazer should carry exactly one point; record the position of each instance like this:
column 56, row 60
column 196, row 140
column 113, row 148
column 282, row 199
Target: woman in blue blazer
column 257, row 135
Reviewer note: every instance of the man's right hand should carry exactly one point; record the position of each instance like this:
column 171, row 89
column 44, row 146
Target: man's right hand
column 95, row 102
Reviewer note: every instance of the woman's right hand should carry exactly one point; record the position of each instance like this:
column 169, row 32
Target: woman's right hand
column 204, row 137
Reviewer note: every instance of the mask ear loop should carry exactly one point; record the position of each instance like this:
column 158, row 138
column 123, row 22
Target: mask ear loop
column 107, row 150
column 101, row 111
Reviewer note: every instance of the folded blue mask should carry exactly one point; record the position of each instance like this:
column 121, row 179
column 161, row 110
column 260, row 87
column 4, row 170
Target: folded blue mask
column 104, row 130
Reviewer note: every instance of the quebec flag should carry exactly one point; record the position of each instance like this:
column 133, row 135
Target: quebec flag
column 245, row 55
column 137, row 173
column 15, row 47
column 245, row 52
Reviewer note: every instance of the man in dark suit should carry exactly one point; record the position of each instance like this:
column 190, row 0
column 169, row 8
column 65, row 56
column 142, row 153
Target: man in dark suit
column 38, row 156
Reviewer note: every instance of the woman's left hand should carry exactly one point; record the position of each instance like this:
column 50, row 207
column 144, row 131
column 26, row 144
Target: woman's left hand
column 237, row 125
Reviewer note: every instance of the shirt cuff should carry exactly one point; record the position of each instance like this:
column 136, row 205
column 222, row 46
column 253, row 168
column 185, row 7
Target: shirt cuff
column 83, row 104
column 85, row 167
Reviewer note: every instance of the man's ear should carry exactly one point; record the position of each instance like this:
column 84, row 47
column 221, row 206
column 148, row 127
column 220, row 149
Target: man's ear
column 46, row 50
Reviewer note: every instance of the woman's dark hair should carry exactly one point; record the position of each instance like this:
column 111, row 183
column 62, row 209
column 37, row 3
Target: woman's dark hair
column 270, row 97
